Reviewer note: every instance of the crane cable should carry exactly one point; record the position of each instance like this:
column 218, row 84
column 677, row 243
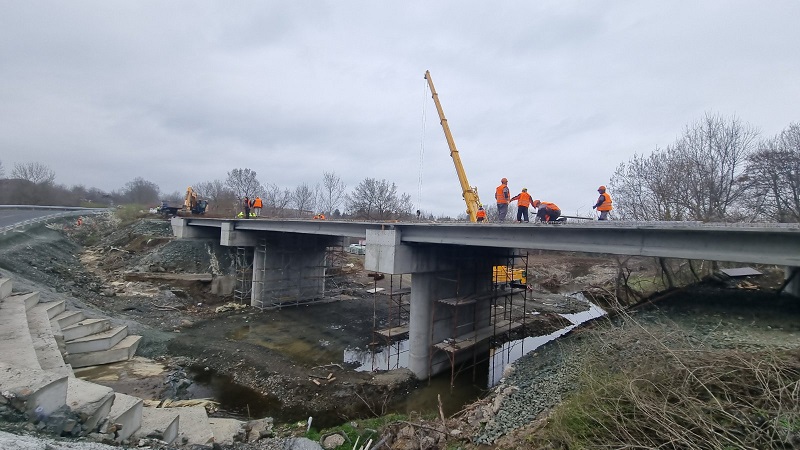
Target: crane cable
column 422, row 146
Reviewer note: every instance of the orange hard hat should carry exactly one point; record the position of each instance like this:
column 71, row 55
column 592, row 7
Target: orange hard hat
column 504, row 180
column 601, row 188
column 536, row 203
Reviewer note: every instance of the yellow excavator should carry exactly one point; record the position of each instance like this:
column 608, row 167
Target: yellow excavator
column 469, row 193
column 503, row 275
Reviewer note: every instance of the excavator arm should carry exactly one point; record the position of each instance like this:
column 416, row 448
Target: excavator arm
column 469, row 193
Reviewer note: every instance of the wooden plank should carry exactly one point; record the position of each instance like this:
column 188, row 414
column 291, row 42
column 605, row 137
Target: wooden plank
column 394, row 331
column 398, row 292
column 468, row 340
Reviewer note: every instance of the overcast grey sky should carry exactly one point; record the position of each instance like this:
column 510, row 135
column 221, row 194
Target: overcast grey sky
column 553, row 95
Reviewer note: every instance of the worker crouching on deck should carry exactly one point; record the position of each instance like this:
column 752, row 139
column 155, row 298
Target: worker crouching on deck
column 524, row 201
column 546, row 211
column 480, row 216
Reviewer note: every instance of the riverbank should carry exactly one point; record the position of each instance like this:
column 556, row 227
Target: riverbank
column 279, row 354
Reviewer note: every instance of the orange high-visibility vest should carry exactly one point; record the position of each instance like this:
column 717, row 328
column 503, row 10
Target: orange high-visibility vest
column 499, row 194
column 257, row 202
column 606, row 205
column 481, row 214
column 524, row 199
column 551, row 205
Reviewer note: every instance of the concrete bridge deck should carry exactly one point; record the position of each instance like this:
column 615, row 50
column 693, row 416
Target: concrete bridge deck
column 747, row 243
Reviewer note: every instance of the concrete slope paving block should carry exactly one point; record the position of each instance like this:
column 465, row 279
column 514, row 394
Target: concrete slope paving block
column 30, row 299
column 97, row 342
column 194, row 427
column 85, row 328
column 54, row 308
column 29, row 389
column 66, row 319
column 5, row 287
column 92, row 402
column 44, row 342
column 159, row 423
column 126, row 414
column 123, row 351
column 225, row 430
column 16, row 345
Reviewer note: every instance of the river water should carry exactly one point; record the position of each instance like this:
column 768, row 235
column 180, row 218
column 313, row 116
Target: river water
column 326, row 342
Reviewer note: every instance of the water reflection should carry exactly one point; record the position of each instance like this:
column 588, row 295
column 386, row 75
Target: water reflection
column 514, row 350
column 395, row 356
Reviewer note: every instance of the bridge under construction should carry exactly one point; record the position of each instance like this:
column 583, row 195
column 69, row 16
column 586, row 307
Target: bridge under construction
column 453, row 307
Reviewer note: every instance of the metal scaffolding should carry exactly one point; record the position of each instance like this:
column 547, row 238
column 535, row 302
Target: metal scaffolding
column 243, row 263
column 390, row 319
column 507, row 301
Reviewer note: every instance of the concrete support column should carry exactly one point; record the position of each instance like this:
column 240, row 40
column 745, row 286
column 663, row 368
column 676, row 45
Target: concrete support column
column 257, row 287
column 791, row 274
column 421, row 315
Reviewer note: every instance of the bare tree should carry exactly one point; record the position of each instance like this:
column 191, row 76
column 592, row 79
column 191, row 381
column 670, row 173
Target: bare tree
column 2, row 170
column 219, row 196
column 713, row 153
column 332, row 193
column 303, row 199
column 140, row 191
column 698, row 177
column 34, row 172
column 243, row 183
column 645, row 188
column 378, row 200
column 276, row 200
column 773, row 173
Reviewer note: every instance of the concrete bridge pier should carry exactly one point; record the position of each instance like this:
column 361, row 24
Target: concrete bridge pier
column 792, row 275
column 285, row 268
column 448, row 294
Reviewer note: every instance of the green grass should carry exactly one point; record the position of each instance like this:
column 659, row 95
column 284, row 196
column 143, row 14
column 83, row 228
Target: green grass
column 361, row 430
column 130, row 213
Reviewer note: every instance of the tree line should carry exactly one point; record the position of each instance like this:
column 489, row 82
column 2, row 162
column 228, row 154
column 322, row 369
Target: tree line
column 34, row 184
column 718, row 170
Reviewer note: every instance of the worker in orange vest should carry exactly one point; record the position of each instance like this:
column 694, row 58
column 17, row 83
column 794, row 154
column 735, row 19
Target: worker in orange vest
column 524, row 201
column 503, row 198
column 603, row 203
column 546, row 211
column 480, row 216
column 257, row 205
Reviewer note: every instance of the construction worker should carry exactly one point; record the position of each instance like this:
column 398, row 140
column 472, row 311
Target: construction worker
column 480, row 216
column 503, row 198
column 546, row 211
column 257, row 204
column 321, row 216
column 524, row 200
column 603, row 203
column 246, row 206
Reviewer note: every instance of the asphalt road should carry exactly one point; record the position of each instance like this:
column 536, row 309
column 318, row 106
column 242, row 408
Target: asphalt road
column 12, row 216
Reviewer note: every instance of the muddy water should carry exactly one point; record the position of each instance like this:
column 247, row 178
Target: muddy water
column 325, row 334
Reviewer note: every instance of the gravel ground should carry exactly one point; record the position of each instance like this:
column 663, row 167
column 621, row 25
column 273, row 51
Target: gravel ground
column 705, row 317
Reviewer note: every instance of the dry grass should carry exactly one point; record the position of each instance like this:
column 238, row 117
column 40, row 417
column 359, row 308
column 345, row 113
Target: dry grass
column 655, row 390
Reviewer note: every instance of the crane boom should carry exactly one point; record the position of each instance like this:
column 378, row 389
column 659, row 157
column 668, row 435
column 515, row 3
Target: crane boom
column 469, row 193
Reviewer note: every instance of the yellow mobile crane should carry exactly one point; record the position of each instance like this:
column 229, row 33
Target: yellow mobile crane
column 469, row 193
column 503, row 275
